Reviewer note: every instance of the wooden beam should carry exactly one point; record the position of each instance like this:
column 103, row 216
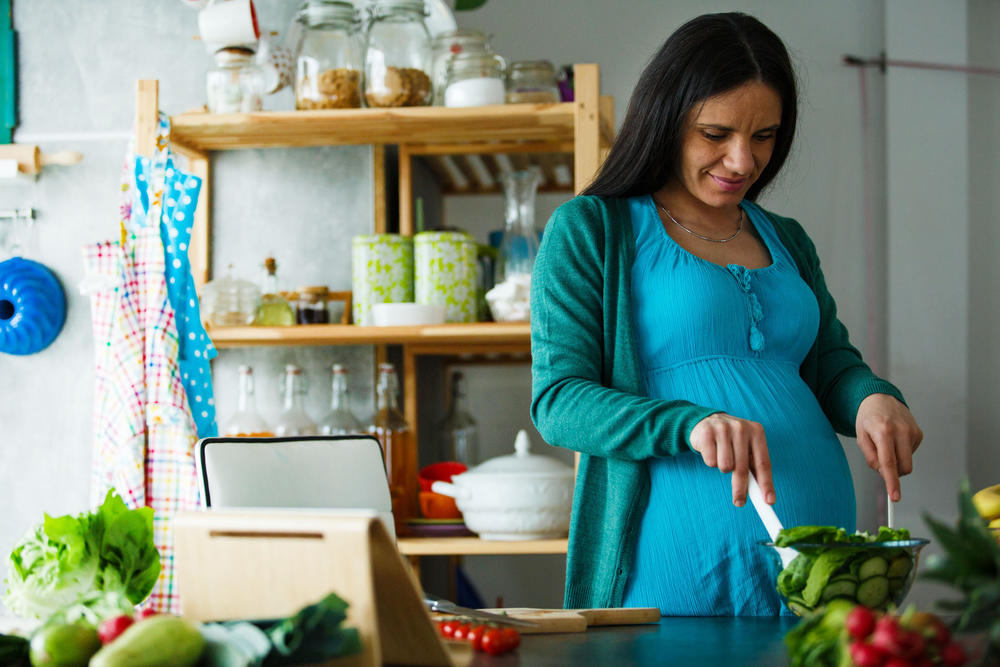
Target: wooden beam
column 378, row 189
column 147, row 110
column 587, row 158
column 405, row 191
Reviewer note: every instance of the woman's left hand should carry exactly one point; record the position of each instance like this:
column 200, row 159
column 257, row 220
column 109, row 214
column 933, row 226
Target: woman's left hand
column 887, row 435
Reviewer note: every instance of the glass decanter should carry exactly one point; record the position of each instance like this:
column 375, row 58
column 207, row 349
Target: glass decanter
column 246, row 422
column 293, row 419
column 274, row 309
column 398, row 446
column 458, row 431
column 519, row 245
column 340, row 420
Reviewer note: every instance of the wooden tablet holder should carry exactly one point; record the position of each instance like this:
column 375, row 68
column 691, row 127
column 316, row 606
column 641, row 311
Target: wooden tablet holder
column 263, row 564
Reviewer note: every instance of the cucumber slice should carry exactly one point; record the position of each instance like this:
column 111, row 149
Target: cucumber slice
column 873, row 591
column 799, row 607
column 845, row 577
column 899, row 567
column 842, row 588
column 876, row 566
column 895, row 585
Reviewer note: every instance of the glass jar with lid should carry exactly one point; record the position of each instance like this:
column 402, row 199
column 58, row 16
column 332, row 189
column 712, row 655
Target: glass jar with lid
column 451, row 43
column 532, row 81
column 474, row 79
column 310, row 305
column 236, row 85
column 397, row 55
column 331, row 56
column 230, row 301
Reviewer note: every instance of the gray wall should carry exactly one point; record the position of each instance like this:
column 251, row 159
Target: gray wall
column 921, row 309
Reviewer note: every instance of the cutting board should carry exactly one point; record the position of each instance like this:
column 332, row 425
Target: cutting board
column 578, row 620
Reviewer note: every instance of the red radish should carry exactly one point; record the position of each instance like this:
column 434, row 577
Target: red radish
column 953, row 655
column 889, row 637
column 866, row 655
column 145, row 613
column 860, row 622
column 110, row 628
column 895, row 661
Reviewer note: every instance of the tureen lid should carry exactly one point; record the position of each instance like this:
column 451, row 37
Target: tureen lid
column 522, row 461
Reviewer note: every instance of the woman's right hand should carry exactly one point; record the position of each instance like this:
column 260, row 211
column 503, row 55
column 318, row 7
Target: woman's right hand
column 738, row 446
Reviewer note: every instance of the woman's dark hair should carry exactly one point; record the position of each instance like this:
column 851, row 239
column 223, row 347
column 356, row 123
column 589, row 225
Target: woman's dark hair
column 706, row 56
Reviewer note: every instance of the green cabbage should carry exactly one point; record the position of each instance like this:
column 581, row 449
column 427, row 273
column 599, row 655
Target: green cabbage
column 64, row 560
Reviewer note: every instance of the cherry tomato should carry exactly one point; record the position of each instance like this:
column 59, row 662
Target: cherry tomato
column 460, row 631
column 110, row 628
column 511, row 637
column 446, row 628
column 493, row 642
column 475, row 636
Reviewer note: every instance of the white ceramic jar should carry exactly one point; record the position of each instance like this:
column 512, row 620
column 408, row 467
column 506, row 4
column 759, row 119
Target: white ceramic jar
column 522, row 496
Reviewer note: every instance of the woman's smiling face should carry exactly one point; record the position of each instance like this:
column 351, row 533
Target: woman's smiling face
column 728, row 140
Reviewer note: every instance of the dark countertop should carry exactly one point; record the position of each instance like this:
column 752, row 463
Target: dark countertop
column 674, row 641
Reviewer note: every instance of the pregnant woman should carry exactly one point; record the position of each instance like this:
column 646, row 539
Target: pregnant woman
column 683, row 338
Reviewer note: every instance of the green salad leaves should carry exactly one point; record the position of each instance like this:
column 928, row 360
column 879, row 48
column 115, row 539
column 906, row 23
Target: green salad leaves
column 824, row 570
column 69, row 560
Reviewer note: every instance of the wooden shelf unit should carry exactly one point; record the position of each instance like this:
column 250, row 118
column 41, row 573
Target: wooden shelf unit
column 474, row 336
column 473, row 546
column 569, row 137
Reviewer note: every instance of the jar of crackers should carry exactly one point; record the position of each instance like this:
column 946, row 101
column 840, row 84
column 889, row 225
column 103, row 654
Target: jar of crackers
column 331, row 58
column 398, row 55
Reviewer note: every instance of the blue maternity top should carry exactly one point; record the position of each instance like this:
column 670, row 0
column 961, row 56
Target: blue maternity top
column 731, row 339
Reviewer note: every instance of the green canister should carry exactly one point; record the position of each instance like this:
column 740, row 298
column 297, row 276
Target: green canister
column 381, row 271
column 445, row 273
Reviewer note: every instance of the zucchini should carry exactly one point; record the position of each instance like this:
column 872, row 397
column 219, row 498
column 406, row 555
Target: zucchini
column 873, row 592
column 163, row 640
column 899, row 567
column 835, row 589
column 876, row 566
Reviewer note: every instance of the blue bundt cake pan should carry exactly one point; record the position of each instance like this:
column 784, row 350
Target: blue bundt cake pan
column 32, row 306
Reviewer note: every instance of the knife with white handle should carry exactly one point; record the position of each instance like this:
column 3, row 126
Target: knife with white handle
column 770, row 520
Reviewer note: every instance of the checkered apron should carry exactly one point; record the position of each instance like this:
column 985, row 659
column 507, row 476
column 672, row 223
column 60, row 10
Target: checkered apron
column 145, row 431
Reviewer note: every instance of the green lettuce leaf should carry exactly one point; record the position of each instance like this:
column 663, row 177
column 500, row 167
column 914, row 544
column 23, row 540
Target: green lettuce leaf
column 64, row 560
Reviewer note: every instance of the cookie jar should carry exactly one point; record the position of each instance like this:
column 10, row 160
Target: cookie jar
column 331, row 58
column 397, row 55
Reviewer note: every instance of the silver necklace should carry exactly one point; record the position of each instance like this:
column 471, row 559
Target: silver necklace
column 739, row 226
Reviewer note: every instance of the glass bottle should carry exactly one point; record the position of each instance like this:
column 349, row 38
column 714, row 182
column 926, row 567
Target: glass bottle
column 331, row 57
column 519, row 245
column 293, row 419
column 236, row 85
column 448, row 44
column 458, row 430
column 398, row 446
column 474, row 79
column 274, row 309
column 340, row 420
column 397, row 55
column 246, row 422
column 532, row 81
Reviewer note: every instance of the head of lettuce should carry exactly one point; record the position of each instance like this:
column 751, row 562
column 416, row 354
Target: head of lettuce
column 68, row 560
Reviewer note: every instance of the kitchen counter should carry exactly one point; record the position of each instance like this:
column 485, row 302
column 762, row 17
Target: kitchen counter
column 675, row 641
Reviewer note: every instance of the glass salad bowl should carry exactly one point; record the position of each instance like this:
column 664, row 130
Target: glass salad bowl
column 877, row 575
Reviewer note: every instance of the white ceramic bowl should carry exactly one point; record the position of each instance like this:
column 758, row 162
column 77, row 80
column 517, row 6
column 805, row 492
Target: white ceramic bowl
column 516, row 497
column 406, row 314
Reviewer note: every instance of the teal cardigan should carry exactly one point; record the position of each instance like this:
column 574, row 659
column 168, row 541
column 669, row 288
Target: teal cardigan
column 587, row 391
